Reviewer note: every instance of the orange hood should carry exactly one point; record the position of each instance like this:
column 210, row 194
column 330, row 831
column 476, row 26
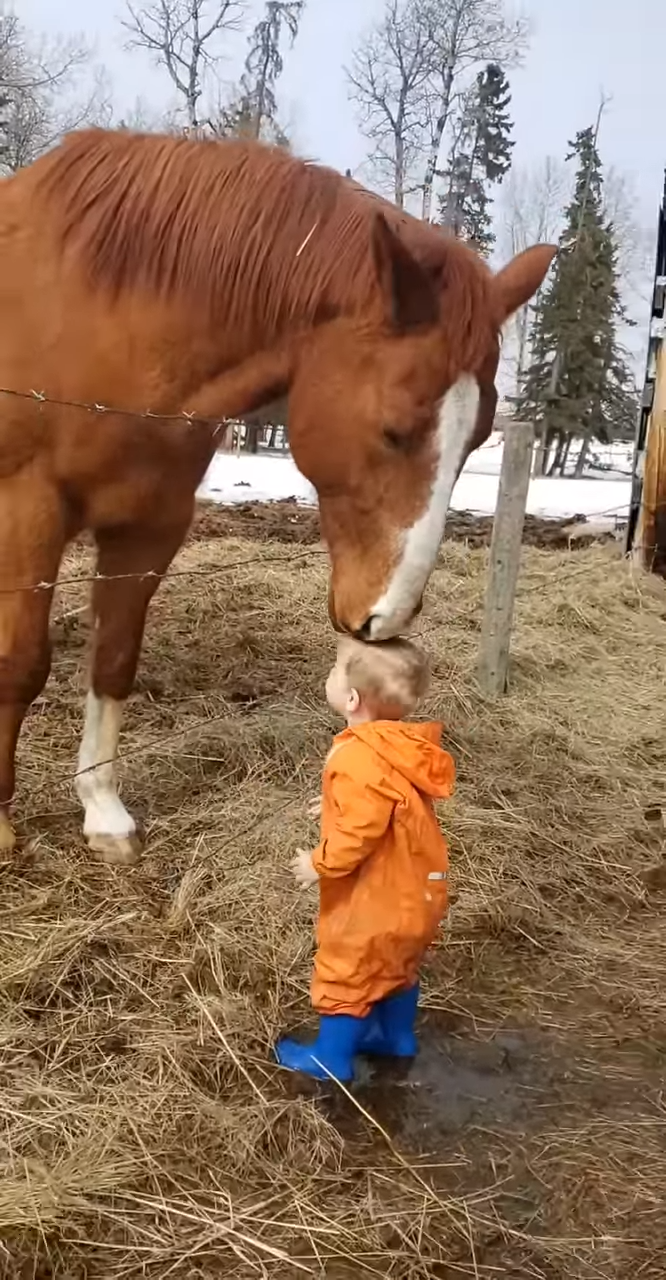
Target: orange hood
column 413, row 750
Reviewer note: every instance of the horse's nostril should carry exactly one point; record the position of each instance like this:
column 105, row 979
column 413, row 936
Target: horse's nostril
column 365, row 632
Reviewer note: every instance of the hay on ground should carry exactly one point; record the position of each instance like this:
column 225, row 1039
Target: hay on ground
column 145, row 1130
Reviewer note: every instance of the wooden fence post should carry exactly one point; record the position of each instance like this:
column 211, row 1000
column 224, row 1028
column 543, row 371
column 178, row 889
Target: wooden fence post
column 505, row 549
column 646, row 526
column 650, row 543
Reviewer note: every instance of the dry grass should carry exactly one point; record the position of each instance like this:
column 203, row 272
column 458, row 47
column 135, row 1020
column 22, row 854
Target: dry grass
column 145, row 1131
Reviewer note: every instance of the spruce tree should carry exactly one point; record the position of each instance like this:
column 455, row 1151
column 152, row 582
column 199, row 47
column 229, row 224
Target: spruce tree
column 479, row 158
column 578, row 384
column 5, row 104
column 264, row 66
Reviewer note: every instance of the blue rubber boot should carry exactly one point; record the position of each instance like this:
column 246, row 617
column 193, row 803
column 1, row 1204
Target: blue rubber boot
column 390, row 1030
column 337, row 1043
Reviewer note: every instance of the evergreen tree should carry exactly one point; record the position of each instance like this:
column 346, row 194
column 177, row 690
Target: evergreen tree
column 5, row 104
column 480, row 157
column 578, row 384
column 257, row 108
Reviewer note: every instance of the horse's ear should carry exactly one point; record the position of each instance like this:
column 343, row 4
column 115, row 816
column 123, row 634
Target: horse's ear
column 409, row 292
column 516, row 283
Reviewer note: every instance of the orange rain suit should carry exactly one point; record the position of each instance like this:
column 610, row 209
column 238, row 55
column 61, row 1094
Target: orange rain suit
column 382, row 862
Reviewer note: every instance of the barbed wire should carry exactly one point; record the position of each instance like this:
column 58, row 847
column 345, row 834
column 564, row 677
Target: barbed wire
column 40, row 398
column 620, row 511
column 161, row 742
column 194, row 419
column 535, row 515
column 183, row 416
column 211, row 571
column 426, row 631
column 102, row 410
column 215, row 570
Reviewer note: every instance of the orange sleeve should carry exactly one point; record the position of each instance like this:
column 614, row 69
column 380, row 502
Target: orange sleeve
column 362, row 815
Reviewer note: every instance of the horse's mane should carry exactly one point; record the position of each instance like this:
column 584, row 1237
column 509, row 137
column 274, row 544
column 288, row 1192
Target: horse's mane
column 245, row 231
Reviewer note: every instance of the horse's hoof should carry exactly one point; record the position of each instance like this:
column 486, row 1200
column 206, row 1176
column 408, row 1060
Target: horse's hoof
column 118, row 851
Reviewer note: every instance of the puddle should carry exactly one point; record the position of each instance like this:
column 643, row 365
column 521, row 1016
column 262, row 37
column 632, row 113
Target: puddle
column 457, row 1081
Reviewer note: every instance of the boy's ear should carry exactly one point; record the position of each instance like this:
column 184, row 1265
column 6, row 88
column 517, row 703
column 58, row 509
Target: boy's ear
column 353, row 701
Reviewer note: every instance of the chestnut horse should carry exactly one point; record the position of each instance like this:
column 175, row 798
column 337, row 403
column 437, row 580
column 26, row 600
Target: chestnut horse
column 177, row 276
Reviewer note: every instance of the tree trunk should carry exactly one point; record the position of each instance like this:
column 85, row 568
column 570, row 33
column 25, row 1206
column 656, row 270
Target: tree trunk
column 582, row 458
column 539, row 454
column 261, row 97
column 557, row 456
column 551, row 436
column 399, row 176
column 522, row 321
column 468, row 184
column 436, row 143
column 565, row 455
column 542, row 451
column 252, row 439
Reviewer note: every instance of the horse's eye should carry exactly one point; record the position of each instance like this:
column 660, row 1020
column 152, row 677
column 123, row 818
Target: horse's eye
column 397, row 440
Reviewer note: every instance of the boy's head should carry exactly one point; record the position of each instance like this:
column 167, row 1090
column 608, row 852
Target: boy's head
column 381, row 681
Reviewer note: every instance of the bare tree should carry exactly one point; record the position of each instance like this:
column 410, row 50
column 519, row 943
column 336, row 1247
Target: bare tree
column 388, row 78
column 184, row 36
column 410, row 75
column 635, row 241
column 635, row 260
column 531, row 212
column 48, row 88
column 143, row 118
column 461, row 35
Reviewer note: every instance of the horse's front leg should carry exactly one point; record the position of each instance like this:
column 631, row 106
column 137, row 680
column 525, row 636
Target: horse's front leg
column 33, row 531
column 131, row 562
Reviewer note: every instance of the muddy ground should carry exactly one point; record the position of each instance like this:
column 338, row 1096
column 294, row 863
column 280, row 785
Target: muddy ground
column 288, row 522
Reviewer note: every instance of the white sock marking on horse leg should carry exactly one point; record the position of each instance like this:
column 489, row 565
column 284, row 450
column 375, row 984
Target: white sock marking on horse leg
column 105, row 814
column 421, row 543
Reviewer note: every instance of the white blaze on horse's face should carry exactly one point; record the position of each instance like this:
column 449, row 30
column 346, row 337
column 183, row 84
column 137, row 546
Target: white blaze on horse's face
column 420, row 544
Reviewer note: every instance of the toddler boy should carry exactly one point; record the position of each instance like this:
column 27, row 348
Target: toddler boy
column 381, row 863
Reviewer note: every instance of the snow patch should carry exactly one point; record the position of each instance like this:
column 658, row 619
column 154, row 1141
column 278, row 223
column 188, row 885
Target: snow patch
column 235, row 478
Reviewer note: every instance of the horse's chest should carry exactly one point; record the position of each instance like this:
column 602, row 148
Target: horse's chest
column 125, row 474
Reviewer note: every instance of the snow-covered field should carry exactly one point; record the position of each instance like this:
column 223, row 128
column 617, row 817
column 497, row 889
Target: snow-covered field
column 257, row 478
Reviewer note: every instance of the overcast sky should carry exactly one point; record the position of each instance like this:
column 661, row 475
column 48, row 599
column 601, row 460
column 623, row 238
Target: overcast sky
column 578, row 47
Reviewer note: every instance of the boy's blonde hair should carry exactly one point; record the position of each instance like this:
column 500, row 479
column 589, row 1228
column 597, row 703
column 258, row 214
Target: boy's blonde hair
column 391, row 675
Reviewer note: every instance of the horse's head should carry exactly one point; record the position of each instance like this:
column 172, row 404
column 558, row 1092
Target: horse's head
column 384, row 411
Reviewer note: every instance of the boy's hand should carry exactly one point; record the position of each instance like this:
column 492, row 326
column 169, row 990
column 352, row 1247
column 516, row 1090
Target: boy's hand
column 303, row 869
column 314, row 808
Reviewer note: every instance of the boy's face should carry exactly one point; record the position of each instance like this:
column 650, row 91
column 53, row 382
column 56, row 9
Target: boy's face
column 340, row 696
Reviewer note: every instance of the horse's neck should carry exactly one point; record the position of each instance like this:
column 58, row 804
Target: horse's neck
column 247, row 386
